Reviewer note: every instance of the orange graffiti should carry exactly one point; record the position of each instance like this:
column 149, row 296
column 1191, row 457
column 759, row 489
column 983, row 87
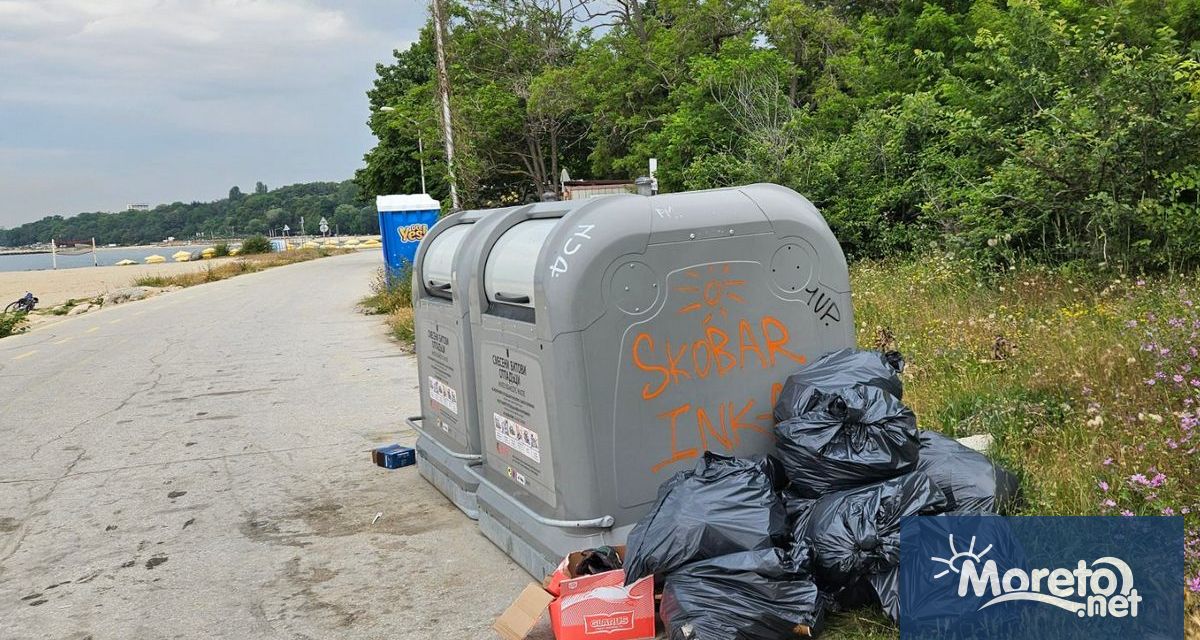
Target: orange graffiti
column 672, row 365
column 676, row 454
column 712, row 295
column 774, row 346
column 776, row 389
column 647, row 392
column 725, row 431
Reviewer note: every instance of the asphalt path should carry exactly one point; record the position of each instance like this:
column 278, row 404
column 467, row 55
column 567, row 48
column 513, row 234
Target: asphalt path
column 197, row 465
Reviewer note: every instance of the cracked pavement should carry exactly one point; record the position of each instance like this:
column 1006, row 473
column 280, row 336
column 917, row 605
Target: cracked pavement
column 197, row 465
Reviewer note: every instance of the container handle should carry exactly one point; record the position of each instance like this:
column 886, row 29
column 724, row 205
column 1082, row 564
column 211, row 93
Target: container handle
column 511, row 299
column 412, row 422
column 445, row 286
column 603, row 522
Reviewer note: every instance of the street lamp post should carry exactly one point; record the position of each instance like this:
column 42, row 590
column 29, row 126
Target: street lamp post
column 420, row 141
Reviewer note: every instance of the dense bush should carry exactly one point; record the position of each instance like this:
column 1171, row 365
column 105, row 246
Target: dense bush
column 240, row 213
column 255, row 244
column 1055, row 130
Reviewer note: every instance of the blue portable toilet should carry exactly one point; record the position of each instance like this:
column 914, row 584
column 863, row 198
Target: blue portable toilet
column 403, row 222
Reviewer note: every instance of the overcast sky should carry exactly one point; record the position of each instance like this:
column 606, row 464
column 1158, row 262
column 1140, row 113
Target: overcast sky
column 110, row 102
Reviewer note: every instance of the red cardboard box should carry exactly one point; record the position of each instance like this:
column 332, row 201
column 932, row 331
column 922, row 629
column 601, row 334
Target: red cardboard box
column 600, row 606
column 596, row 607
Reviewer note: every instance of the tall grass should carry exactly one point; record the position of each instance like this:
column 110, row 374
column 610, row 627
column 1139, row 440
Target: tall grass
column 248, row 264
column 1089, row 382
column 11, row 323
column 393, row 298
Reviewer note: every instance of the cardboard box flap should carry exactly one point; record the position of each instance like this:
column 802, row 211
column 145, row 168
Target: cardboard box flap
column 523, row 615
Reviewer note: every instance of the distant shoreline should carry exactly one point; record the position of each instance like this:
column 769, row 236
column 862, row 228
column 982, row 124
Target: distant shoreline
column 28, row 252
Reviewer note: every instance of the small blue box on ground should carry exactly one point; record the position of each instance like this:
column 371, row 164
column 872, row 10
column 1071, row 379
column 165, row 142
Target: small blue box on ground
column 394, row 456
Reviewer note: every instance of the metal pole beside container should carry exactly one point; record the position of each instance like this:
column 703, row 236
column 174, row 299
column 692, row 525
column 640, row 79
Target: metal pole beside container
column 53, row 254
column 95, row 259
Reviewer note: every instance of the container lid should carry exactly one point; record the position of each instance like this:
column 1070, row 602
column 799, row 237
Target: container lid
column 438, row 265
column 407, row 202
column 510, row 268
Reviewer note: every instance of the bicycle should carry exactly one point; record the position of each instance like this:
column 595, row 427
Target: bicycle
column 23, row 305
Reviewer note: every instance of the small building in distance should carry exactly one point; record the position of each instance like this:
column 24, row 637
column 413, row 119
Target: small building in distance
column 138, row 206
column 583, row 189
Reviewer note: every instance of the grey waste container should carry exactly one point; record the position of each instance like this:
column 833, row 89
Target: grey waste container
column 449, row 431
column 616, row 339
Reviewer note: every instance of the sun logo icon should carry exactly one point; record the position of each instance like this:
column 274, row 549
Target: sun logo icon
column 713, row 293
column 954, row 562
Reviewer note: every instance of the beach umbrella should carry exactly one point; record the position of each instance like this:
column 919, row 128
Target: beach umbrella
column 155, row 259
column 125, row 263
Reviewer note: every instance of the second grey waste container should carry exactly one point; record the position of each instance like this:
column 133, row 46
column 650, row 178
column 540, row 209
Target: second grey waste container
column 448, row 428
column 616, row 339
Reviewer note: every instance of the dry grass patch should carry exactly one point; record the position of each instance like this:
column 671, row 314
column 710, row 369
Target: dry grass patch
column 246, row 264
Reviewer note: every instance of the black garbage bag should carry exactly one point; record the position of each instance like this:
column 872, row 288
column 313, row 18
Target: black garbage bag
column 855, row 535
column 970, row 480
column 838, row 370
column 723, row 506
column 853, row 437
column 750, row 595
column 796, row 506
column 598, row 560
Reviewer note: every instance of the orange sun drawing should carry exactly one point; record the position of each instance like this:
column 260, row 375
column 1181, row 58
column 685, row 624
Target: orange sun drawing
column 713, row 294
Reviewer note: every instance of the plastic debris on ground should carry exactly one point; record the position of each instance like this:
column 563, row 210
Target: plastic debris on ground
column 750, row 595
column 839, row 370
column 970, row 480
column 850, row 437
column 724, row 505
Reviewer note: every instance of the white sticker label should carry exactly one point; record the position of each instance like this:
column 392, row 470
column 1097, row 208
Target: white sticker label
column 443, row 394
column 517, row 437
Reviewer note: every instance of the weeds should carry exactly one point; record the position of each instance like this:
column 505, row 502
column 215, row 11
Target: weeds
column 1093, row 396
column 152, row 281
column 11, row 324
column 65, row 307
column 393, row 298
column 215, row 272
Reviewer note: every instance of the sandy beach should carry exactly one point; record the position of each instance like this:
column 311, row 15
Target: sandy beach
column 56, row 287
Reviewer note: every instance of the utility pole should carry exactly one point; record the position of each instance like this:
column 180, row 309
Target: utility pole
column 439, row 27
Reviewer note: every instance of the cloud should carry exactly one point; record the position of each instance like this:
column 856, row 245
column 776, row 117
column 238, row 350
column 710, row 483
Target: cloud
column 214, row 89
column 173, row 52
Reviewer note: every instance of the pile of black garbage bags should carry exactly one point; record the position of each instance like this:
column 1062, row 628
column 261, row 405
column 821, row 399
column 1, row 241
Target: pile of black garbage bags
column 760, row 548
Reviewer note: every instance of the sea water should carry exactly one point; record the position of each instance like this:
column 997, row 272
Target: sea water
column 105, row 256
